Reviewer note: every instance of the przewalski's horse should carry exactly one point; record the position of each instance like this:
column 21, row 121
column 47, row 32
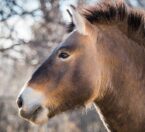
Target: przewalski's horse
column 101, row 61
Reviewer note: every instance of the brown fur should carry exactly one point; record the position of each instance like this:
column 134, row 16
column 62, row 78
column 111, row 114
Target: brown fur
column 119, row 14
column 107, row 67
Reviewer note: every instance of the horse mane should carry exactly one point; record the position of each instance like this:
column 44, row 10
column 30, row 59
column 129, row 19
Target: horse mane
column 131, row 20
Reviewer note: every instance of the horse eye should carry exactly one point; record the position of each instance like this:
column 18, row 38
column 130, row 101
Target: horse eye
column 63, row 55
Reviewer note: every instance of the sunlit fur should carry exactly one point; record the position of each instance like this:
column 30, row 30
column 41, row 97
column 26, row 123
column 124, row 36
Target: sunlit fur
column 106, row 65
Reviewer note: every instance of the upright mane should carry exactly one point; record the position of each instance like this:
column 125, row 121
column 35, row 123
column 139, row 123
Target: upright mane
column 129, row 20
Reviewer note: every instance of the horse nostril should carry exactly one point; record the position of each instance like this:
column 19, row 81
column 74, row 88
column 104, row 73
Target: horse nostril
column 20, row 102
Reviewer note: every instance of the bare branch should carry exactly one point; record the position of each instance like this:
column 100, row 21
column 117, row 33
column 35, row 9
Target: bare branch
column 24, row 13
column 22, row 42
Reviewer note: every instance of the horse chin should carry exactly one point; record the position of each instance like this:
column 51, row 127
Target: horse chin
column 38, row 117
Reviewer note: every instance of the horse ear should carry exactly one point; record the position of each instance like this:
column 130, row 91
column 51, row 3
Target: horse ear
column 79, row 21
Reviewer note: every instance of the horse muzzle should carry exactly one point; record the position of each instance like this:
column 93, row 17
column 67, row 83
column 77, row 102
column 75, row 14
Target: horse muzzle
column 31, row 106
column 31, row 115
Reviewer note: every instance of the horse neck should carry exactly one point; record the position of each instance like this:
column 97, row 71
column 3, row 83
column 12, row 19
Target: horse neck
column 122, row 67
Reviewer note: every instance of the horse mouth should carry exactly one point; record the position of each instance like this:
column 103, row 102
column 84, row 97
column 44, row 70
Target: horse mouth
column 31, row 115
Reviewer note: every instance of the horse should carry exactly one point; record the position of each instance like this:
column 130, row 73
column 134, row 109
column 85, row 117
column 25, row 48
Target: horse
column 101, row 61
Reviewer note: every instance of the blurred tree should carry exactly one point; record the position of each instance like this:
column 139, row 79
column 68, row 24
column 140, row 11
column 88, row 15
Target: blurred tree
column 46, row 17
